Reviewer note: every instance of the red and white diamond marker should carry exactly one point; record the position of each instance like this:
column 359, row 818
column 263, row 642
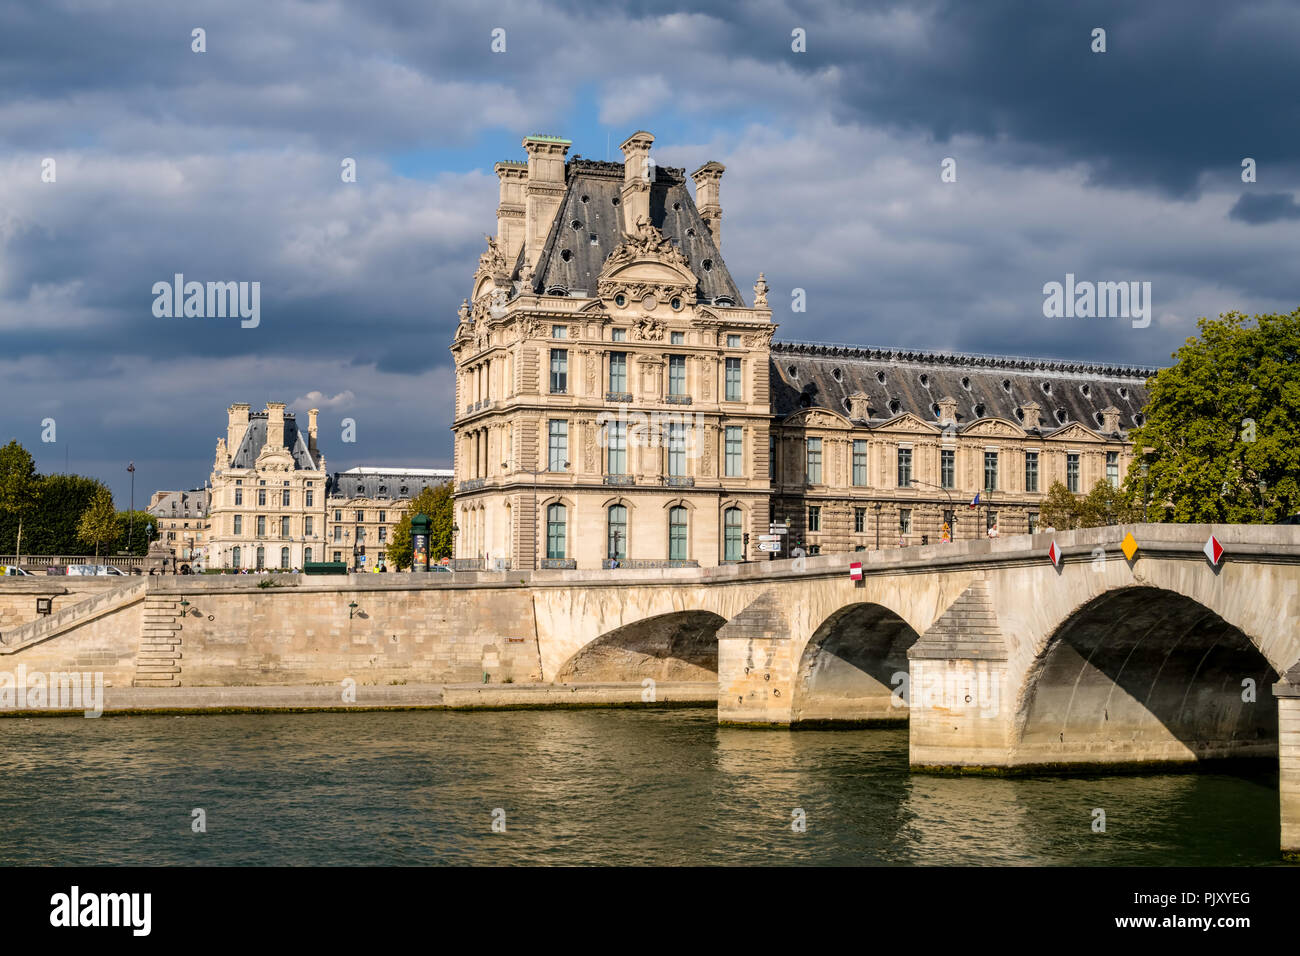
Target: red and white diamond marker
column 1213, row 550
column 1054, row 554
column 855, row 571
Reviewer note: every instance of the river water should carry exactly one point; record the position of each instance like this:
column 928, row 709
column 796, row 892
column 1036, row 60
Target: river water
column 575, row 787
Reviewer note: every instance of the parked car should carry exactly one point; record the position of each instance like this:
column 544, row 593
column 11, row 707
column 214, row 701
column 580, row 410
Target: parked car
column 95, row 570
column 440, row 567
column 13, row 570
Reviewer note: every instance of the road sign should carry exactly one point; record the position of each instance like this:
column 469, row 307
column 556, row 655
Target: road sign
column 777, row 529
column 1213, row 550
column 855, row 571
column 1054, row 554
column 769, row 537
column 769, row 546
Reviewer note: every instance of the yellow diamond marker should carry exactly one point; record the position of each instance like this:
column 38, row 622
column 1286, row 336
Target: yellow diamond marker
column 1129, row 545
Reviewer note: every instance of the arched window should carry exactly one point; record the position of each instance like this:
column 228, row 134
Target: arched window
column 677, row 547
column 733, row 535
column 284, row 559
column 555, row 531
column 617, row 544
column 234, row 557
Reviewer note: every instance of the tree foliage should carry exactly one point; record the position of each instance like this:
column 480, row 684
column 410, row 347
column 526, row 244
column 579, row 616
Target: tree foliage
column 98, row 525
column 18, row 483
column 435, row 502
column 1223, row 425
column 1104, row 505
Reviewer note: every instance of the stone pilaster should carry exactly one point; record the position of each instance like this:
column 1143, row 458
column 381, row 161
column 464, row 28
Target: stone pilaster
column 1287, row 692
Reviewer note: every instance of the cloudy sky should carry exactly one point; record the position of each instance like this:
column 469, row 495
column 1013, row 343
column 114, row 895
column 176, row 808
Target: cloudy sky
column 225, row 165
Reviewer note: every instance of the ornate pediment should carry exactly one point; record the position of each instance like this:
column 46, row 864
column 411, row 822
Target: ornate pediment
column 907, row 422
column 646, row 263
column 994, row 428
column 1075, row 432
column 817, row 418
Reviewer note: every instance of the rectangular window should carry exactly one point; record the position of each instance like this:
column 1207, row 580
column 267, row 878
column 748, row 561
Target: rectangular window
column 306, row 527
column 618, row 371
column 814, row 472
column 311, row 497
column 990, row 471
column 1112, row 468
column 814, row 518
column 1072, row 472
column 904, row 520
column 616, row 446
column 559, row 371
column 771, row 457
column 284, row 527
column 618, row 335
column 1033, row 522
column 239, row 524
column 361, row 516
column 860, row 462
column 733, row 380
column 261, row 496
column 904, row 467
column 261, row 526
column 239, row 496
column 338, row 533
column 383, row 516
column 677, row 338
column 557, row 444
column 677, row 548
column 338, row 515
column 338, row 557
column 948, row 467
column 733, row 341
column 559, row 331
column 677, row 375
column 284, row 498
column 1031, row 471
column 990, row 520
column 676, row 450
column 383, row 535
column 734, row 452
column 859, row 520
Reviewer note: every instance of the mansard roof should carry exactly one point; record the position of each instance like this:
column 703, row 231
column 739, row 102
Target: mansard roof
column 897, row 381
column 181, row 504
column 591, row 191
column 379, row 483
column 250, row 446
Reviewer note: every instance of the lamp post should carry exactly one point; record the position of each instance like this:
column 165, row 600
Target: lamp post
column 878, row 506
column 952, row 508
column 130, row 518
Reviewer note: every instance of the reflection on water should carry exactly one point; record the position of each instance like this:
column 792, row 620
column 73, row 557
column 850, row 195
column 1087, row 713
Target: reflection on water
column 577, row 787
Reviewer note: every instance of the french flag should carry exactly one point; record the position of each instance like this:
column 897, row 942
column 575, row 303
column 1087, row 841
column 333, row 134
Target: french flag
column 974, row 501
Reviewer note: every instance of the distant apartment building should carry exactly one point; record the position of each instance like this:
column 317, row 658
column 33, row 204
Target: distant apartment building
column 181, row 522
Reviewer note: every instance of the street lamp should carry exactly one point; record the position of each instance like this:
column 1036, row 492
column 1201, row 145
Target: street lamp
column 878, row 506
column 951, row 507
column 130, row 521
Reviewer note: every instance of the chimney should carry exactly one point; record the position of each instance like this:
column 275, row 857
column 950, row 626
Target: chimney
column 236, row 425
column 638, row 174
column 707, row 178
column 275, row 424
column 543, row 191
column 1110, row 419
column 511, row 208
column 311, row 430
column 1033, row 417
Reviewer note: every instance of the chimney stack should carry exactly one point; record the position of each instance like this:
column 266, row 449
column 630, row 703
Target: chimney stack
column 311, row 430
column 707, row 178
column 1033, row 415
column 543, row 191
column 275, row 425
column 638, row 174
column 236, row 425
column 1110, row 419
column 511, row 208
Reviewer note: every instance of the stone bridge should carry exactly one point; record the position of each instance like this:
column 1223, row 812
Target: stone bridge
column 996, row 658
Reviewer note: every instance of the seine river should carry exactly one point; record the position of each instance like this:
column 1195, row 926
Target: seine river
column 576, row 787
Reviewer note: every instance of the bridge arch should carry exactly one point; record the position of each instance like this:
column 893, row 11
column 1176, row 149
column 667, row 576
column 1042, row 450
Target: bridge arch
column 677, row 646
column 850, row 667
column 1145, row 674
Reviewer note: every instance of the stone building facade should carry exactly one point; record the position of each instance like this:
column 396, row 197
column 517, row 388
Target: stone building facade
column 181, row 523
column 273, row 505
column 618, row 403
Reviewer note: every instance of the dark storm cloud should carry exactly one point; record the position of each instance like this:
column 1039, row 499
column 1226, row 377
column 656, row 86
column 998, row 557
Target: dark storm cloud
column 1265, row 207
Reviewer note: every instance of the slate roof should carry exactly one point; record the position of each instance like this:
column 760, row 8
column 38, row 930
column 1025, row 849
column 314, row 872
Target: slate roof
column 807, row 375
column 181, row 504
column 591, row 190
column 372, row 483
column 250, row 446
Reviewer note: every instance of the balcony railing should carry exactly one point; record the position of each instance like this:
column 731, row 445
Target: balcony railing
column 620, row 397
column 473, row 484
column 679, row 481
column 620, row 479
column 559, row 564
column 467, row 564
column 678, row 399
column 646, row 564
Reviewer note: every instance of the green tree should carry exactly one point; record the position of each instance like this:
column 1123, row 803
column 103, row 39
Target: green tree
column 1060, row 508
column 18, row 486
column 142, row 519
column 1106, row 505
column 1221, row 440
column 435, row 502
column 98, row 525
